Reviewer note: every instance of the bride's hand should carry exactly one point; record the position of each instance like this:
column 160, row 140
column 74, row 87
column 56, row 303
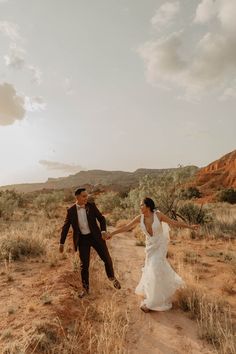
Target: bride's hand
column 106, row 236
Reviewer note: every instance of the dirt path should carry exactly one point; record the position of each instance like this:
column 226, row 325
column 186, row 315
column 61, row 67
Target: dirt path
column 39, row 290
column 170, row 332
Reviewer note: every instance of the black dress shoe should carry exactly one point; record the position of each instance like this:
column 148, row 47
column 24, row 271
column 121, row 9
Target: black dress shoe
column 116, row 283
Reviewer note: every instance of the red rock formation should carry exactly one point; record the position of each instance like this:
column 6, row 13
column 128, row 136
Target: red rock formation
column 217, row 175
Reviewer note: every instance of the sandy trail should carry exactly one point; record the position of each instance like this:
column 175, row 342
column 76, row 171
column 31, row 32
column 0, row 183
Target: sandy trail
column 170, row 332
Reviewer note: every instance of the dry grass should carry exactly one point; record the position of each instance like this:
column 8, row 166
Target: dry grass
column 224, row 221
column 229, row 287
column 213, row 317
column 140, row 237
column 96, row 329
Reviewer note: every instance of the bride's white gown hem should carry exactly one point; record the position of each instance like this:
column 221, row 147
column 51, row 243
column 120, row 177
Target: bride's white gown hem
column 159, row 281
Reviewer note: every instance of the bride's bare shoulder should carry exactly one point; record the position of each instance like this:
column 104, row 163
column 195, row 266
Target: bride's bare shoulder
column 159, row 214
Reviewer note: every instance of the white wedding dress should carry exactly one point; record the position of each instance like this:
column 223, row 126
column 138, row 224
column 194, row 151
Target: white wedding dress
column 159, row 281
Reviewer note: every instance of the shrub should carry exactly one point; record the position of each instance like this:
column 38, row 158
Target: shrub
column 15, row 246
column 190, row 193
column 108, row 201
column 194, row 214
column 8, row 204
column 227, row 195
column 48, row 202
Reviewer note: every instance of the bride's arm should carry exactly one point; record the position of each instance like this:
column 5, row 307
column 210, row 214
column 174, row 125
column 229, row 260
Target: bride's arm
column 126, row 227
column 174, row 223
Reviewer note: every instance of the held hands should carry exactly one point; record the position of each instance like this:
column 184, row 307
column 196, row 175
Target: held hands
column 106, row 235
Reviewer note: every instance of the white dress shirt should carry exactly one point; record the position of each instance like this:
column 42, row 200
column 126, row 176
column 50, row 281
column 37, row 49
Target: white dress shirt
column 82, row 220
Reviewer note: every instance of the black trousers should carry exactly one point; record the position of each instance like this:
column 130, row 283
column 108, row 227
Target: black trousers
column 84, row 244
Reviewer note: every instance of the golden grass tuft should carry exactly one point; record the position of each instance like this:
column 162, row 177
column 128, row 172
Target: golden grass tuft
column 213, row 317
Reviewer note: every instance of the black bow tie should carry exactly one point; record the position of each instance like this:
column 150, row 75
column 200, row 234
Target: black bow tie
column 80, row 206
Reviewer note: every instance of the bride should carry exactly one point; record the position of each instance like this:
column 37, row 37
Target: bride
column 159, row 281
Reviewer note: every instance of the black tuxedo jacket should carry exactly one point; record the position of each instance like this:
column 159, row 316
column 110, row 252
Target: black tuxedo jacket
column 93, row 214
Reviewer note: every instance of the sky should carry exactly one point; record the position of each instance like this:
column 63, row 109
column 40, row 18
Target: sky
column 114, row 85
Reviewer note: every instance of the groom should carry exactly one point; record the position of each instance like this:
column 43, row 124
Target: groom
column 83, row 216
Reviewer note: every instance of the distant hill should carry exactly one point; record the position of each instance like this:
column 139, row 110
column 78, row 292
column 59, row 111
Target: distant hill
column 218, row 174
column 113, row 180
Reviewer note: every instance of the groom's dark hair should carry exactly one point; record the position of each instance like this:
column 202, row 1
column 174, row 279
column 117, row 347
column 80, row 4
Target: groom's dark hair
column 80, row 190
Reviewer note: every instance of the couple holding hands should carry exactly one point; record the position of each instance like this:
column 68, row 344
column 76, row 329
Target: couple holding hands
column 158, row 281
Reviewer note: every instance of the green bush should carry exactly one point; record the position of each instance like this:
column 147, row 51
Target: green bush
column 48, row 202
column 108, row 201
column 227, row 195
column 190, row 193
column 195, row 214
column 8, row 204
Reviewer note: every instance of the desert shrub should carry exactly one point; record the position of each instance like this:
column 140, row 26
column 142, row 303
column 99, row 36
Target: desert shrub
column 68, row 196
column 190, row 193
column 48, row 202
column 161, row 190
column 116, row 215
column 108, row 201
column 195, row 214
column 221, row 228
column 227, row 195
column 9, row 202
column 14, row 246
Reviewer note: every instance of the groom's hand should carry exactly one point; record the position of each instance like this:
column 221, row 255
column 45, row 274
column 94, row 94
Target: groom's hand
column 105, row 235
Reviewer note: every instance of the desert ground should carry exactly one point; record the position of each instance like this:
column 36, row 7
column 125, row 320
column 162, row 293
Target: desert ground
column 41, row 312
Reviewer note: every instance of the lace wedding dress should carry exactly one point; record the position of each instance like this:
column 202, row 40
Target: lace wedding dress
column 159, row 281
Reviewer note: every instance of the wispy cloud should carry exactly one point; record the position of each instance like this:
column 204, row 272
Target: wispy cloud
column 53, row 165
column 36, row 74
column 33, row 104
column 67, row 84
column 10, row 30
column 165, row 14
column 206, row 65
column 16, row 58
column 206, row 11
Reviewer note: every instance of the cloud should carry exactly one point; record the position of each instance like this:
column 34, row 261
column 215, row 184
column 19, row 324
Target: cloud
column 16, row 60
column 10, row 30
column 68, row 86
column 53, row 165
column 206, row 10
column 14, row 106
column 16, row 57
column 162, row 59
column 33, row 104
column 165, row 14
column 227, row 15
column 229, row 93
column 11, row 105
column 36, row 74
column 197, row 67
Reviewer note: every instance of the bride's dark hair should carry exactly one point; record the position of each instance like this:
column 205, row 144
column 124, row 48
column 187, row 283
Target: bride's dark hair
column 149, row 203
